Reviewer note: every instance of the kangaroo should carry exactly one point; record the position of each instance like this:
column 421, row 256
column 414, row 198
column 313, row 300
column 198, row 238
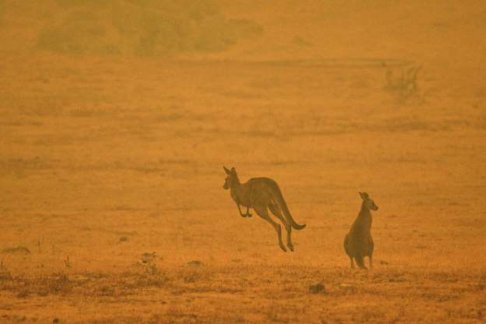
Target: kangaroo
column 358, row 243
column 262, row 194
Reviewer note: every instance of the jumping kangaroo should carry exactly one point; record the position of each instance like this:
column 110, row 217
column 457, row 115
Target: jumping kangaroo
column 358, row 243
column 260, row 194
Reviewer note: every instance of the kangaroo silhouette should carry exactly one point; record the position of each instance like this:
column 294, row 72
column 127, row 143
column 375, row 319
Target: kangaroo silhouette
column 358, row 243
column 262, row 194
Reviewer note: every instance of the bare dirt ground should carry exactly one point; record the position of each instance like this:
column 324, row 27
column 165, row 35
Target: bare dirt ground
column 105, row 161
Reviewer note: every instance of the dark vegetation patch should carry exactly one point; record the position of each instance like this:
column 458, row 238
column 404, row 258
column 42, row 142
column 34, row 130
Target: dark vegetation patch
column 146, row 28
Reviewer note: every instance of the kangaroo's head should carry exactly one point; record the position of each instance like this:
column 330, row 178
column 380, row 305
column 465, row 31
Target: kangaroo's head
column 231, row 178
column 368, row 203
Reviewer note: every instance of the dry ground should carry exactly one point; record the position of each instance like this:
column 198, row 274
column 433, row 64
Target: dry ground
column 105, row 159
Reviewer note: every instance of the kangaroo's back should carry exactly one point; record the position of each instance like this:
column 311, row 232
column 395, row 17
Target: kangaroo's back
column 262, row 182
column 261, row 189
column 271, row 193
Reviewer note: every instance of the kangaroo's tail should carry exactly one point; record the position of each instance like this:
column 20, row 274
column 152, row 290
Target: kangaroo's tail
column 360, row 261
column 285, row 209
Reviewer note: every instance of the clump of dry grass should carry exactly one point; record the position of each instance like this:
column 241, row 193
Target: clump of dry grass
column 59, row 283
column 317, row 288
column 195, row 263
column 16, row 250
column 86, row 284
column 145, row 274
column 123, row 239
column 4, row 273
column 55, row 284
column 402, row 83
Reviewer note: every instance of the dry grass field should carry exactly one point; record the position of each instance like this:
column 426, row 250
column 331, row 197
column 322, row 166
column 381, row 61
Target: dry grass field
column 112, row 207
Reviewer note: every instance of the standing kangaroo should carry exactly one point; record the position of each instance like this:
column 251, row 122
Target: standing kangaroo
column 260, row 194
column 358, row 243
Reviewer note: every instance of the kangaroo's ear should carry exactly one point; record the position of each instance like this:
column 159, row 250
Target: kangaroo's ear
column 233, row 170
column 228, row 172
column 363, row 195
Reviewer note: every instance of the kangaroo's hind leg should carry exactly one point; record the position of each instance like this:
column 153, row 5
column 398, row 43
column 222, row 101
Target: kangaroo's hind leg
column 347, row 248
column 263, row 213
column 278, row 213
column 371, row 247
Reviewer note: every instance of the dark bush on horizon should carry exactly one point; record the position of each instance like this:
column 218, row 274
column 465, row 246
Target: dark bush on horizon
column 142, row 27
